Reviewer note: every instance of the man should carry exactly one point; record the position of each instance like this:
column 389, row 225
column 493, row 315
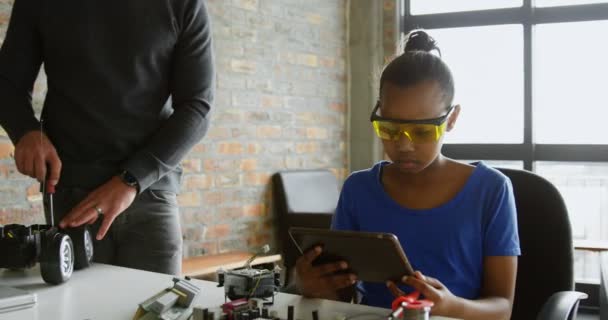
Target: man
column 130, row 85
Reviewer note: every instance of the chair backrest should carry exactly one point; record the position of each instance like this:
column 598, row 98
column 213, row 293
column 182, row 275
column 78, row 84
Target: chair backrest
column 302, row 198
column 546, row 263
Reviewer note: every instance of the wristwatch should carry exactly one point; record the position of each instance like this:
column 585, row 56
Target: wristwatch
column 129, row 179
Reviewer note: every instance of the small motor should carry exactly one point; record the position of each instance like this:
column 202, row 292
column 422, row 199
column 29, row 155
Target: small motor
column 249, row 283
column 410, row 307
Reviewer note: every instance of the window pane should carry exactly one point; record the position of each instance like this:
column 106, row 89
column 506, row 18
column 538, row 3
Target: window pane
column 507, row 164
column 555, row 3
column 584, row 187
column 439, row 6
column 487, row 64
column 570, row 83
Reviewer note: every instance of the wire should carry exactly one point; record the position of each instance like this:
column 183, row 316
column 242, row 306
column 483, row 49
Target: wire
column 256, row 286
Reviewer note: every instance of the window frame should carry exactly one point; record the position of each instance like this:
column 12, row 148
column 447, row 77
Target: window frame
column 528, row 16
column 528, row 151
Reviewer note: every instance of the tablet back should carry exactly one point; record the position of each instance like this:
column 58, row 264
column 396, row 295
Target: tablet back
column 374, row 257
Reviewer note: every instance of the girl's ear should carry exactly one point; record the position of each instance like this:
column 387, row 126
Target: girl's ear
column 453, row 117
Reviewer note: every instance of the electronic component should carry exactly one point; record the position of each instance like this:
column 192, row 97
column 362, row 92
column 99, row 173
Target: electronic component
column 173, row 303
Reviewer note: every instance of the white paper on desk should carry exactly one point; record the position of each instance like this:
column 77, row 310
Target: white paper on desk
column 12, row 299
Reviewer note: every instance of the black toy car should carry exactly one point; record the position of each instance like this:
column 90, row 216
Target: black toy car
column 58, row 251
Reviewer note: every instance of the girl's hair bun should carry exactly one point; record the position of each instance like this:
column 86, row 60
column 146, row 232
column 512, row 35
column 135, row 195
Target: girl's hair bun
column 419, row 40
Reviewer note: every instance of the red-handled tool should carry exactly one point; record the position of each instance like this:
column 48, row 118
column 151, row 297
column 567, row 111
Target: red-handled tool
column 410, row 307
column 50, row 190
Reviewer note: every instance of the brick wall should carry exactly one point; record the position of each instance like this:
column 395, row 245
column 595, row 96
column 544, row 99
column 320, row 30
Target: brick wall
column 280, row 105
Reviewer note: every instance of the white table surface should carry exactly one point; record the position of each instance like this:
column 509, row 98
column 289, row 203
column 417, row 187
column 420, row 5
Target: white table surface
column 108, row 292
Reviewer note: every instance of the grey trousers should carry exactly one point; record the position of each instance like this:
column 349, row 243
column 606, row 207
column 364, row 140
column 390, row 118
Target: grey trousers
column 146, row 236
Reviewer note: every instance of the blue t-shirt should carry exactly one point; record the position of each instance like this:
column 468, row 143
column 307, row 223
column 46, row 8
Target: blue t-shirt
column 448, row 242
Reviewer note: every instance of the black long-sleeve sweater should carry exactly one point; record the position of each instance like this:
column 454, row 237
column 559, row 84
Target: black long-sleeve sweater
column 130, row 84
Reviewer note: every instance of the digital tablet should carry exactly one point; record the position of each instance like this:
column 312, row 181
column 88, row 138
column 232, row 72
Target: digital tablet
column 373, row 257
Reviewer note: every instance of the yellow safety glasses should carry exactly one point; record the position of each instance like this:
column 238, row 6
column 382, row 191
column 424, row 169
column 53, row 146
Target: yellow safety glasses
column 417, row 131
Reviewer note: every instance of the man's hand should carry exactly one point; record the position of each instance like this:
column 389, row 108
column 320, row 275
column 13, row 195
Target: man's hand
column 321, row 281
column 34, row 153
column 110, row 200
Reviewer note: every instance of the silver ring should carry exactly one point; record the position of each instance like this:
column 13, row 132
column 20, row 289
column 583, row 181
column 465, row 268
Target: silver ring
column 98, row 209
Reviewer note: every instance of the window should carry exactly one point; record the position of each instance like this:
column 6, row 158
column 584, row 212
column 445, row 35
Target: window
column 472, row 53
column 554, row 3
column 570, row 104
column 540, row 104
column 440, row 6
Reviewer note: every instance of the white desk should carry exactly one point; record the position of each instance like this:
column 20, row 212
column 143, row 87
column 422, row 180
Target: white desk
column 108, row 292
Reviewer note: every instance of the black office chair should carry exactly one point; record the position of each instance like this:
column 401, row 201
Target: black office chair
column 545, row 275
column 302, row 198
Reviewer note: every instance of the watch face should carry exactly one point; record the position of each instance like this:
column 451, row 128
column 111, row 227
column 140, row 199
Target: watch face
column 129, row 178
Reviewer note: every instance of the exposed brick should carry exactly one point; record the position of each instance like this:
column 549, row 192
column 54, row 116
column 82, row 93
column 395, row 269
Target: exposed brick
column 306, row 147
column 227, row 117
column 228, row 180
column 270, row 101
column 245, row 99
column 230, row 148
column 314, row 18
column 4, row 170
column 198, row 181
column 309, row 60
column 307, row 118
column 228, row 245
column 191, row 165
column 248, row 4
column 199, row 148
column 256, row 179
column 230, row 213
column 220, row 165
column 6, row 149
column 254, row 148
column 269, row 132
column 316, row 133
column 295, row 102
column 256, row 210
column 189, row 199
column 258, row 240
column 219, row 133
column 218, row 231
column 327, row 62
column 243, row 66
column 213, row 197
column 339, row 107
column 249, row 164
column 33, row 193
column 279, row 104
column 294, row 163
column 258, row 116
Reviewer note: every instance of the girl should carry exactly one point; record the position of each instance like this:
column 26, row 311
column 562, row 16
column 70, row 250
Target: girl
column 456, row 222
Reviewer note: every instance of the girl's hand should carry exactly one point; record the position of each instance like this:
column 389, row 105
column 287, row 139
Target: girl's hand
column 446, row 303
column 321, row 281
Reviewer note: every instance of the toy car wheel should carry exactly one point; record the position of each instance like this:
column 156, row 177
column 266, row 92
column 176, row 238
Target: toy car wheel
column 83, row 246
column 57, row 260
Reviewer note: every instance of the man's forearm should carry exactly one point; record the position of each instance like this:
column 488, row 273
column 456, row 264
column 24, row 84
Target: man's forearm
column 169, row 145
column 16, row 113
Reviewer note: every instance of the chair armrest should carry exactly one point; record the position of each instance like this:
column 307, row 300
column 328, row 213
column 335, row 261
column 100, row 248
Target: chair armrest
column 561, row 305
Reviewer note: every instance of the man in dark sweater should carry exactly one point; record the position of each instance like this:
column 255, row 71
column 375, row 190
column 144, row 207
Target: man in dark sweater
column 130, row 86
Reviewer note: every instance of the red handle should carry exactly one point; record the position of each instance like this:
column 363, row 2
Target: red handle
column 410, row 298
column 50, row 188
column 411, row 301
